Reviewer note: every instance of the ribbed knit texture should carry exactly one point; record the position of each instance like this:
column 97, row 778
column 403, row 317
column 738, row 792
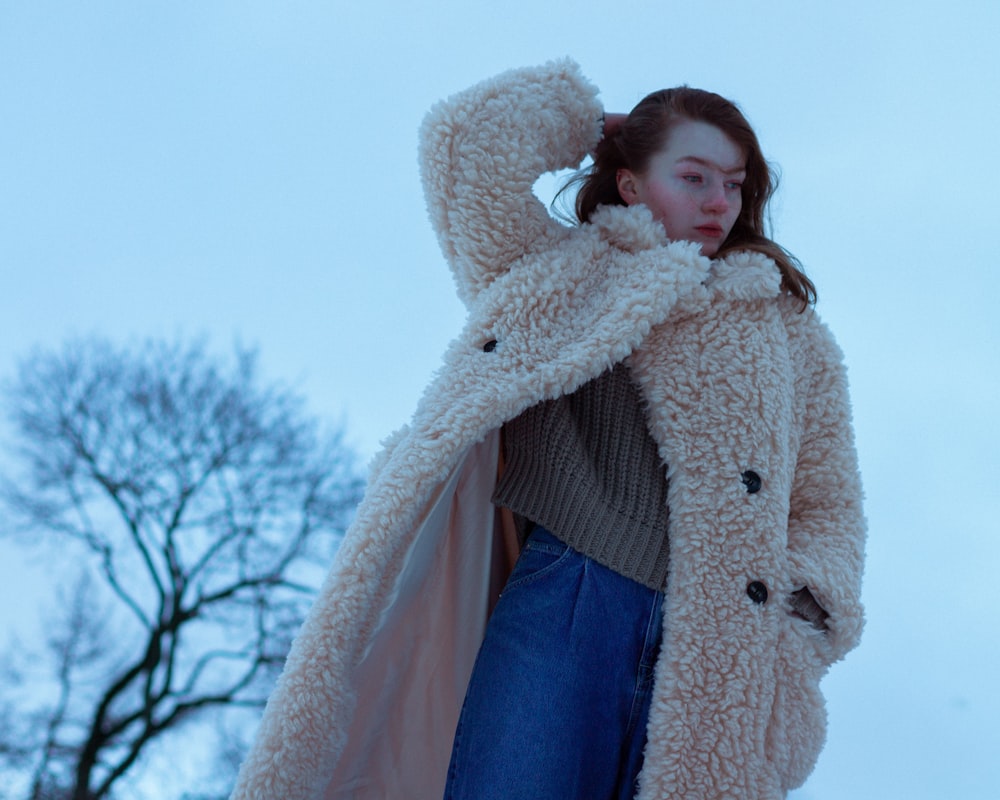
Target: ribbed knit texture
column 585, row 467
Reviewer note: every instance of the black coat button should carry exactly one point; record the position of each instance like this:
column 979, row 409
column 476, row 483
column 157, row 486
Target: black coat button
column 757, row 592
column 490, row 346
column 751, row 480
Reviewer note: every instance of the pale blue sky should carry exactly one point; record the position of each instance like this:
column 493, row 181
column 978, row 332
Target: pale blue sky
column 247, row 170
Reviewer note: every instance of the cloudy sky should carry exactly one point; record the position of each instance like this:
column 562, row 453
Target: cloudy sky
column 246, row 171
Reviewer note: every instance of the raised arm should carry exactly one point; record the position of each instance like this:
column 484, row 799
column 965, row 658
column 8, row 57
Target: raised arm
column 480, row 154
column 826, row 526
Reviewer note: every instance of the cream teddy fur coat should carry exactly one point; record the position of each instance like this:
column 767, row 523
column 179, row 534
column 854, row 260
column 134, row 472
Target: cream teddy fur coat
column 737, row 383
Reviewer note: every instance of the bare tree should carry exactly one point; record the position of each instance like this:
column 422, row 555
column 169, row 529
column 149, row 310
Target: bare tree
column 205, row 504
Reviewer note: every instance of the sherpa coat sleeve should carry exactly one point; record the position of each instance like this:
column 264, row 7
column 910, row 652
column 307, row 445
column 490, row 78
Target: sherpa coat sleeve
column 826, row 525
column 479, row 162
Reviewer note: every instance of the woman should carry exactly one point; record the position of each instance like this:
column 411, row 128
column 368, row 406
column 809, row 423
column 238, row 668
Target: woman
column 693, row 570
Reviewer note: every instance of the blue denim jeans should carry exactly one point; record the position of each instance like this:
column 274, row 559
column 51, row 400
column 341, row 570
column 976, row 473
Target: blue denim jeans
column 557, row 704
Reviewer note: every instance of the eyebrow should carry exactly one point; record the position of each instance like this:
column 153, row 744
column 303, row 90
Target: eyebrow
column 708, row 163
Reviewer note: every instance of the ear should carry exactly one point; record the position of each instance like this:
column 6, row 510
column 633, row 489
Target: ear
column 628, row 186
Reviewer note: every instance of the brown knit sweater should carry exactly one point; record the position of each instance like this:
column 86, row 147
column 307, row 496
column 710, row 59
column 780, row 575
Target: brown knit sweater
column 585, row 467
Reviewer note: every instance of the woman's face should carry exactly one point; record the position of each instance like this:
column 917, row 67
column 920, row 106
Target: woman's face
column 692, row 185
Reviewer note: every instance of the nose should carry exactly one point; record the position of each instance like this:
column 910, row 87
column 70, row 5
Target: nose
column 715, row 200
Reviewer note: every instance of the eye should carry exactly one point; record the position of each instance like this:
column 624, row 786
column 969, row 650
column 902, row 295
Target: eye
column 737, row 185
column 692, row 178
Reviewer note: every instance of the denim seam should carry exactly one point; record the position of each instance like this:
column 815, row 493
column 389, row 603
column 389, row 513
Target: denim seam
column 643, row 676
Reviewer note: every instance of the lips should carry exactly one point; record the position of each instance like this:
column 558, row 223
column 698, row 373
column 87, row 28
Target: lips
column 712, row 231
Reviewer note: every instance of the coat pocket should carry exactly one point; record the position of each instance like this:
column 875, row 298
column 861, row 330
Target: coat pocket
column 796, row 731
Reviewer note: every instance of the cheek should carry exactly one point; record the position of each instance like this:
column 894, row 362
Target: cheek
column 734, row 214
column 670, row 206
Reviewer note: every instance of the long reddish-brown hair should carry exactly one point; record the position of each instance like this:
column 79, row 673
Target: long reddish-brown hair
column 645, row 131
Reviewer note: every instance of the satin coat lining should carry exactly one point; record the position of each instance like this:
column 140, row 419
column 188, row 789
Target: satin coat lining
column 412, row 679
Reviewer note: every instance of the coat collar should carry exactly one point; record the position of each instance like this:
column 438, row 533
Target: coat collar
column 629, row 228
column 741, row 275
column 744, row 275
